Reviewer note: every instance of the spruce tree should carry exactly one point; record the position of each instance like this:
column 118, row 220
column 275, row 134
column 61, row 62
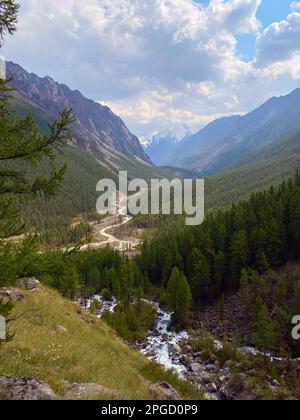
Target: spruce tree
column 8, row 17
column 239, row 255
column 200, row 275
column 264, row 335
column 179, row 296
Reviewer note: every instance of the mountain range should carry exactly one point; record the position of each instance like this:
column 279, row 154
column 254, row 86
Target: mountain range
column 97, row 129
column 225, row 142
column 163, row 143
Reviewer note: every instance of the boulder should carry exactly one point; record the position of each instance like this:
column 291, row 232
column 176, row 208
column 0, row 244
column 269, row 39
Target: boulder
column 225, row 371
column 223, row 379
column 241, row 392
column 187, row 349
column 213, row 388
column 196, row 367
column 164, row 392
column 20, row 389
column 210, row 368
column 27, row 283
column 12, row 295
column 204, row 378
column 188, row 361
column 177, row 348
column 88, row 391
column 61, row 330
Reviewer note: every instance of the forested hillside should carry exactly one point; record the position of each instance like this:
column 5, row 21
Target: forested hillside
column 255, row 235
column 223, row 143
column 257, row 171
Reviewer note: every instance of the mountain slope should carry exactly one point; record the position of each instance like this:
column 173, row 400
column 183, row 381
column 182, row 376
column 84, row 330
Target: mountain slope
column 97, row 128
column 223, row 143
column 259, row 170
column 89, row 351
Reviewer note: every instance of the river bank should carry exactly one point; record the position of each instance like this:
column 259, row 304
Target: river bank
column 218, row 368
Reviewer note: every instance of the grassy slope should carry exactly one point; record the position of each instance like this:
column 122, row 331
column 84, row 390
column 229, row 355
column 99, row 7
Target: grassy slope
column 88, row 353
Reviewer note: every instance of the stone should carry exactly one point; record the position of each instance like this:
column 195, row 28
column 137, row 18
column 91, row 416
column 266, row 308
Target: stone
column 275, row 383
column 61, row 330
column 196, row 367
column 27, row 283
column 225, row 371
column 12, row 295
column 218, row 346
column 203, row 378
column 210, row 368
column 231, row 392
column 187, row 349
column 177, row 349
column 206, row 378
column 25, row 389
column 164, row 392
column 188, row 361
column 213, row 388
column 88, row 391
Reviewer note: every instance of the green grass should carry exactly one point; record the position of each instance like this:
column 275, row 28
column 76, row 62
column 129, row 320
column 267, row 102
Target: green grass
column 89, row 353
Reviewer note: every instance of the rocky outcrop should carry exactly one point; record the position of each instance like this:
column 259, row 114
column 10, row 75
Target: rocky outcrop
column 164, row 392
column 11, row 294
column 61, row 330
column 27, row 283
column 17, row 389
column 89, row 392
column 96, row 127
column 237, row 392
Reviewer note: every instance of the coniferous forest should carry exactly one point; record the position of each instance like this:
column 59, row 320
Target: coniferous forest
column 141, row 307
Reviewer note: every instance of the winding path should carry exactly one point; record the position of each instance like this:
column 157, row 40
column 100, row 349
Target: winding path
column 112, row 241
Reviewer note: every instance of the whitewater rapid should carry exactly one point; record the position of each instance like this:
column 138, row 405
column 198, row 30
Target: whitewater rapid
column 163, row 345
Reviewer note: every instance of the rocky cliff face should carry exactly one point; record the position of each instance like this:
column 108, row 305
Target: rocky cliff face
column 96, row 127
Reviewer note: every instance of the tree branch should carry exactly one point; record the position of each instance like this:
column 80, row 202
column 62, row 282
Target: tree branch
column 25, row 313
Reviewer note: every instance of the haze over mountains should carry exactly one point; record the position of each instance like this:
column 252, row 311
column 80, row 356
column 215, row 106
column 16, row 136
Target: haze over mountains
column 233, row 141
column 97, row 129
column 225, row 142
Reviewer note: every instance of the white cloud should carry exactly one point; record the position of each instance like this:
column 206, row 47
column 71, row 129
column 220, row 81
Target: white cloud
column 295, row 6
column 156, row 62
column 280, row 41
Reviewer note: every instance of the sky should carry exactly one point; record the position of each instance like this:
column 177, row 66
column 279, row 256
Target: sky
column 163, row 63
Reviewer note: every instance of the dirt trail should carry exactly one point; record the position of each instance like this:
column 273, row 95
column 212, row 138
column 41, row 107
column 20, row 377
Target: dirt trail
column 104, row 238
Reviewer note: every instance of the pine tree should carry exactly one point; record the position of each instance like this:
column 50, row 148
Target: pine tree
column 93, row 279
column 262, row 263
column 179, row 296
column 8, row 17
column 264, row 335
column 239, row 255
column 200, row 275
